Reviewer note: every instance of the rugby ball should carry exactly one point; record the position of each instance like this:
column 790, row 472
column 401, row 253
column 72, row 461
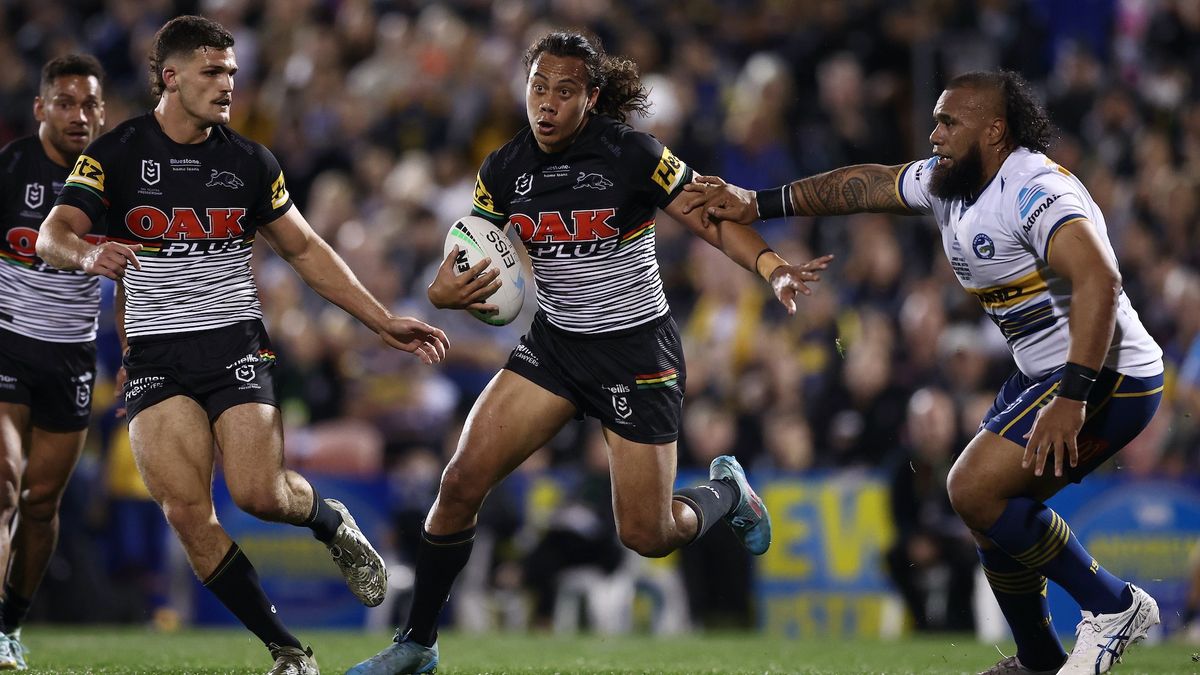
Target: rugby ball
column 477, row 239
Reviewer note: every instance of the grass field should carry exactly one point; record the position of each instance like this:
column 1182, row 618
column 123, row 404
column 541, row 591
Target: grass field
column 123, row 650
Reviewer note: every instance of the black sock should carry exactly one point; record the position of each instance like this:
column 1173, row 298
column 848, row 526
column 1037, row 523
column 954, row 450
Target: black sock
column 439, row 560
column 710, row 500
column 236, row 585
column 322, row 519
column 14, row 609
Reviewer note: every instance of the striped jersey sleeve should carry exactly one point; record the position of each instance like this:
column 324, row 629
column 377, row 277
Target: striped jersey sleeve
column 912, row 185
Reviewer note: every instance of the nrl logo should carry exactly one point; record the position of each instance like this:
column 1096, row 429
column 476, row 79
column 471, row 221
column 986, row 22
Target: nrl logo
column 151, row 173
column 592, row 180
column 244, row 373
column 35, row 194
column 524, row 183
column 224, row 179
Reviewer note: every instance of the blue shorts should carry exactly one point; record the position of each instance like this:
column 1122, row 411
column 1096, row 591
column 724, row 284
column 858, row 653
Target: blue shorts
column 1118, row 408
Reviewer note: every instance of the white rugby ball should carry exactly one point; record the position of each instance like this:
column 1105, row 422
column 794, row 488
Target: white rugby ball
column 477, row 239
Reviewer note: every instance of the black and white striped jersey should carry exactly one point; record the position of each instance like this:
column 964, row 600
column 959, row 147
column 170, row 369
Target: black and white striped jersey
column 586, row 216
column 195, row 210
column 36, row 300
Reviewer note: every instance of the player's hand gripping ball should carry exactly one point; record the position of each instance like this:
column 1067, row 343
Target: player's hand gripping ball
column 477, row 239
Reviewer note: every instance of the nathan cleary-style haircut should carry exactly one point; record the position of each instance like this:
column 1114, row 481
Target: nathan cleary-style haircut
column 183, row 35
column 85, row 65
column 1028, row 124
column 621, row 90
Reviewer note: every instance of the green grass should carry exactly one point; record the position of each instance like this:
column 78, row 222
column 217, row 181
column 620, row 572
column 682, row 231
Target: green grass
column 69, row 650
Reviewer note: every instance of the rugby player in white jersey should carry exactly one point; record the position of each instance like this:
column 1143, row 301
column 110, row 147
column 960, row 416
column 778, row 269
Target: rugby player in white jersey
column 581, row 189
column 185, row 196
column 47, row 338
column 1024, row 236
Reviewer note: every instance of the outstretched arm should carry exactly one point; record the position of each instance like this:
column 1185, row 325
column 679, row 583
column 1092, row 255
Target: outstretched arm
column 747, row 248
column 326, row 273
column 850, row 189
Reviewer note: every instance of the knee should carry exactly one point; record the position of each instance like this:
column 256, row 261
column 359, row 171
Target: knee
column 40, row 503
column 186, row 516
column 261, row 501
column 460, row 490
column 644, row 541
column 968, row 496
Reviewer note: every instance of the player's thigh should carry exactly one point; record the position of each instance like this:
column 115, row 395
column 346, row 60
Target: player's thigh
column 510, row 420
column 643, row 478
column 14, row 433
column 250, row 436
column 988, row 472
column 173, row 446
column 52, row 458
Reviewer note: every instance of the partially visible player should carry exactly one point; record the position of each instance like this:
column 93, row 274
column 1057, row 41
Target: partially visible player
column 47, row 338
column 581, row 189
column 185, row 196
column 1024, row 236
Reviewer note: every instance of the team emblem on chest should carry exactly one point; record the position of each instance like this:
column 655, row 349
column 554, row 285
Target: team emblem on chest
column 151, row 172
column 35, row 194
column 983, row 246
column 524, row 184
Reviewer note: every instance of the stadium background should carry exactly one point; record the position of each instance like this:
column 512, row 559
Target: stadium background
column 848, row 414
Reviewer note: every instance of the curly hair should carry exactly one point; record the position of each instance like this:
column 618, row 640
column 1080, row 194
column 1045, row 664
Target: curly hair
column 183, row 35
column 1028, row 124
column 621, row 90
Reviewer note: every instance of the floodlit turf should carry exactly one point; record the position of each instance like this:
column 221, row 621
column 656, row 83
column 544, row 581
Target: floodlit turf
column 121, row 650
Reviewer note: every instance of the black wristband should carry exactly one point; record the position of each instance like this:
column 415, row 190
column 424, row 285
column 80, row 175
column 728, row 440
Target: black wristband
column 760, row 255
column 1076, row 382
column 775, row 203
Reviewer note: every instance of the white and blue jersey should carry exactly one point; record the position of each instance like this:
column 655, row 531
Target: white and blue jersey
column 999, row 245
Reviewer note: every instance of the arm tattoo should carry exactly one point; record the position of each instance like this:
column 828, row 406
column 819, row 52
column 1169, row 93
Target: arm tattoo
column 851, row 189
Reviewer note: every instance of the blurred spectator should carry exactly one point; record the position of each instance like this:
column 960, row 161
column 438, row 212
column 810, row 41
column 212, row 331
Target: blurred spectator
column 933, row 561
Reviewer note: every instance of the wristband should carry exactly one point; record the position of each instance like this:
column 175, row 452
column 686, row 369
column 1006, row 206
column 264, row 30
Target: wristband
column 1076, row 382
column 775, row 203
column 759, row 257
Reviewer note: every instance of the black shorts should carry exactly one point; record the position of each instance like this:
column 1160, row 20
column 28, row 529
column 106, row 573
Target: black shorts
column 54, row 379
column 632, row 381
column 218, row 368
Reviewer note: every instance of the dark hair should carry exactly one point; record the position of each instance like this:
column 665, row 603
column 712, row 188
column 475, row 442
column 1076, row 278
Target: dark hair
column 70, row 64
column 183, row 35
column 1028, row 124
column 621, row 90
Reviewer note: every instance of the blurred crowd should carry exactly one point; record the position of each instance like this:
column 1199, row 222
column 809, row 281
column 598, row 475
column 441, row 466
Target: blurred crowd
column 380, row 113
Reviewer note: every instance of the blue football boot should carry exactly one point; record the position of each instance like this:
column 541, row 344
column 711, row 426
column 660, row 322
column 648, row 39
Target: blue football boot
column 402, row 657
column 749, row 519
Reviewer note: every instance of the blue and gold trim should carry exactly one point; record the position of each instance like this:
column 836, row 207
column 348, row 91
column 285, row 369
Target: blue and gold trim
column 1118, row 408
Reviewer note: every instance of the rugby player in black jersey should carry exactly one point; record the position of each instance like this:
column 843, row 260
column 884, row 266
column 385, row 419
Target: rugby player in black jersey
column 581, row 189
column 185, row 196
column 47, row 338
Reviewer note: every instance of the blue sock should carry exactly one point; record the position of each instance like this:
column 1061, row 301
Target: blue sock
column 1035, row 536
column 1021, row 593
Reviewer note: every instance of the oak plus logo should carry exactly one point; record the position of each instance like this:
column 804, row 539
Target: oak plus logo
column 35, row 195
column 151, row 172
